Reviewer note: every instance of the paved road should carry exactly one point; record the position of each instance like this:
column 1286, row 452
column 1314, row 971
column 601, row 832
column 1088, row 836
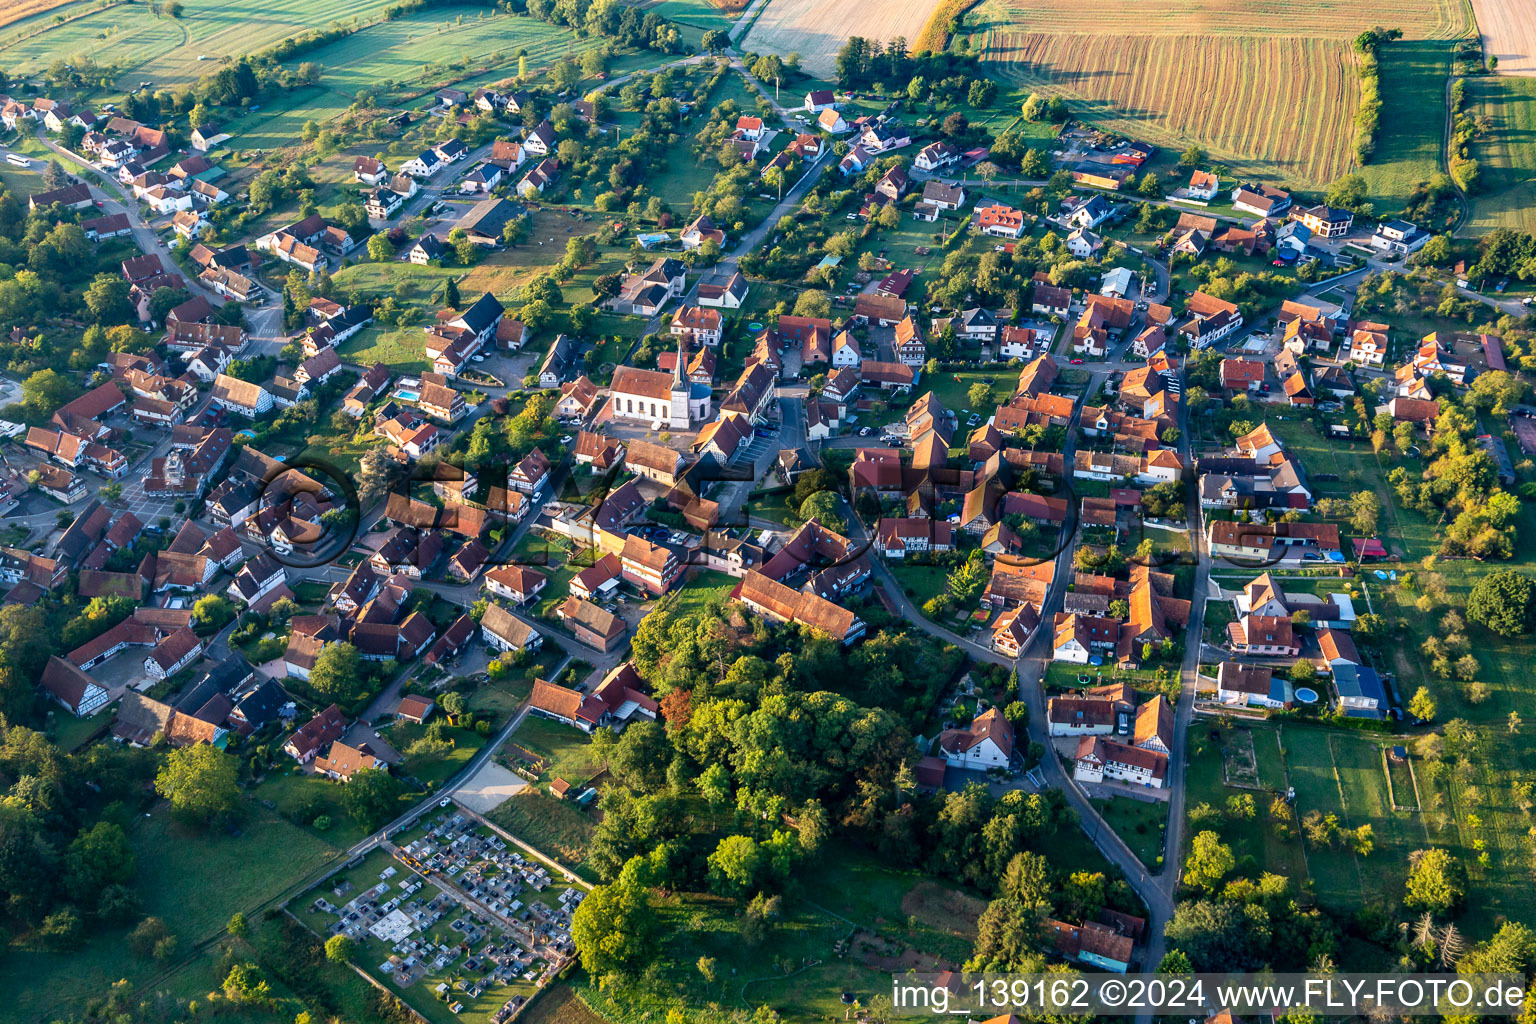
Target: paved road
column 264, row 319
column 1154, row 891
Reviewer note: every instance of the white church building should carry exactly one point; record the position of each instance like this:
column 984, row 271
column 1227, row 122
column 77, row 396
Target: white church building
column 661, row 400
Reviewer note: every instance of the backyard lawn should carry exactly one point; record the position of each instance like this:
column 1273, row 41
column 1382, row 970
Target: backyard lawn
column 1141, row 824
column 568, row 752
column 434, row 769
column 921, row 582
column 951, row 389
column 703, row 587
column 400, row 348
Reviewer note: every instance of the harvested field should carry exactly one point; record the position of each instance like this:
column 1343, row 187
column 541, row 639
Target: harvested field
column 816, row 28
column 1173, row 89
column 1172, row 74
column 1508, row 28
column 16, row 10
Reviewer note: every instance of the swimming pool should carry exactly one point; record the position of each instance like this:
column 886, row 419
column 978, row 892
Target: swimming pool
column 408, row 395
column 1306, row 695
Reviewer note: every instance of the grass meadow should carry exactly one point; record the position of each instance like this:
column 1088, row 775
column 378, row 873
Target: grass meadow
column 1507, row 156
column 194, row 879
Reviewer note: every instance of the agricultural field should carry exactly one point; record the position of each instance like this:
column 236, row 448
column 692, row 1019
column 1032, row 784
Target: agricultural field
column 815, row 29
column 1410, row 142
column 166, row 50
column 1507, row 155
column 1508, row 28
column 24, row 10
column 1171, row 75
column 702, row 14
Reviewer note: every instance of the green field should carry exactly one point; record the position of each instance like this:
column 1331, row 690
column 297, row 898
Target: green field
column 1341, row 773
column 1410, row 141
column 568, row 752
column 1140, row 824
column 1172, row 74
column 555, row 827
column 698, row 13
column 399, row 348
column 1507, row 155
column 165, row 50
column 193, row 879
column 921, row 582
column 703, row 586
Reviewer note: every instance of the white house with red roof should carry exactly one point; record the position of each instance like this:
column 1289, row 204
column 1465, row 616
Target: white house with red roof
column 987, row 743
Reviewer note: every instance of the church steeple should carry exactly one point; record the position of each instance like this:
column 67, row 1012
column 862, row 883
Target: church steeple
column 681, row 387
column 680, row 374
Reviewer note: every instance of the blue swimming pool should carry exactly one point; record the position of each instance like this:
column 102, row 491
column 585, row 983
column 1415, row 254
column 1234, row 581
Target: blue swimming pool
column 1306, row 695
column 408, row 395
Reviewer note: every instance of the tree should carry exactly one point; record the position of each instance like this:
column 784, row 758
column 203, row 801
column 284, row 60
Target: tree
column 1436, row 881
column 148, row 936
column 237, row 926
column 199, row 781
column 813, row 303
column 370, row 797
column 337, row 672
column 1364, row 512
column 734, row 865
column 339, row 949
column 1504, row 602
column 99, row 856
column 1150, row 186
column 54, row 176
column 1422, row 705
column 614, row 925
column 1175, row 962
column 1192, row 157
column 1220, row 935
column 978, row 395
column 373, row 474
column 639, row 758
column 1210, row 860
column 822, row 506
column 61, row 929
column 246, row 985
column 107, row 298
column 212, row 610
column 1348, row 193
column 380, row 248
column 46, row 390
column 715, row 785
column 564, row 74
column 965, row 583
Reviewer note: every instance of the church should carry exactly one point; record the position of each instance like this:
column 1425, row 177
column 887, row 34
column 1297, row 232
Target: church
column 660, row 400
